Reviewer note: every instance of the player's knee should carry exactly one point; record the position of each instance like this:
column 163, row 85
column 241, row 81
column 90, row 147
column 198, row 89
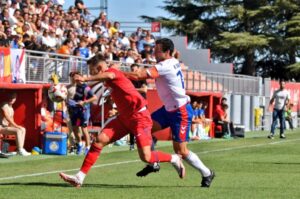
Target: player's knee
column 183, row 152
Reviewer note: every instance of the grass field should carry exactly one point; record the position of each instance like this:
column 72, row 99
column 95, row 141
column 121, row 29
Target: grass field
column 254, row 167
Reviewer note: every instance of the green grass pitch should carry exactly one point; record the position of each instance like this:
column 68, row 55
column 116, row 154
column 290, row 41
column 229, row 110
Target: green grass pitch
column 254, row 167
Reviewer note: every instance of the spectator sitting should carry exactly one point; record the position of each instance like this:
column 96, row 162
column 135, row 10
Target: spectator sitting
column 221, row 118
column 9, row 127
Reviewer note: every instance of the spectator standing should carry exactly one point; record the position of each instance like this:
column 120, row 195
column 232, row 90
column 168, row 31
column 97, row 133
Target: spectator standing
column 79, row 108
column 288, row 115
column 281, row 97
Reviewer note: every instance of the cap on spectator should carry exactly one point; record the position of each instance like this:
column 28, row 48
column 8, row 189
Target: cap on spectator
column 13, row 1
column 147, row 44
column 122, row 32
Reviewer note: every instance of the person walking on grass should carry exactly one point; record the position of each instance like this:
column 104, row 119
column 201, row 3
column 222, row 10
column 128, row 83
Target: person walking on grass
column 280, row 98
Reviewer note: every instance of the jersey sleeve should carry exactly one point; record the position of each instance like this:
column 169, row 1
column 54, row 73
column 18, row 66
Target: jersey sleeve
column 88, row 92
column 152, row 72
column 161, row 69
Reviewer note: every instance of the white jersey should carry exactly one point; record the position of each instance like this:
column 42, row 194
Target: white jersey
column 170, row 84
column 280, row 97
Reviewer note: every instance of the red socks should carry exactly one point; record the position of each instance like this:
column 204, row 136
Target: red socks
column 90, row 158
column 158, row 156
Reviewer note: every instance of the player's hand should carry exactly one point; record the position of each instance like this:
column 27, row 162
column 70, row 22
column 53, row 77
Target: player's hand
column 270, row 109
column 81, row 103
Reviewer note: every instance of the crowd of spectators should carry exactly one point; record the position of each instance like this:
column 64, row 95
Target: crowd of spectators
column 44, row 25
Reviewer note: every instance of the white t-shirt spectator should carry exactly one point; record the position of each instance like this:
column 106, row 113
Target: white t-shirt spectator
column 59, row 2
column 124, row 42
column 45, row 25
column 280, row 97
column 129, row 60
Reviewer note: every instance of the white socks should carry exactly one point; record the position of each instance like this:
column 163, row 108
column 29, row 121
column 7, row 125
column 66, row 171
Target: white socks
column 174, row 158
column 80, row 175
column 193, row 160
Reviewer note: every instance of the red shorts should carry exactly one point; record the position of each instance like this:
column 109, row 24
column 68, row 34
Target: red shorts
column 139, row 124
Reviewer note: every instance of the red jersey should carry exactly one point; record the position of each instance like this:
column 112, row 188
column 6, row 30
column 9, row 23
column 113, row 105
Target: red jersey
column 124, row 94
column 219, row 112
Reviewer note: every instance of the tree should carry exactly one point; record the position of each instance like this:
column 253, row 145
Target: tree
column 250, row 33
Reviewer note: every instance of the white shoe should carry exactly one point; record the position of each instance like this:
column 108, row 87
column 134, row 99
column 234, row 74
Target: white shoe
column 178, row 165
column 72, row 180
column 23, row 152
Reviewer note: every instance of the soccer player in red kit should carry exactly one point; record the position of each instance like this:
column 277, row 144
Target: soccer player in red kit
column 133, row 117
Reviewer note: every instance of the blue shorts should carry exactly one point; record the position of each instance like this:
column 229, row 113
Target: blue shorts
column 79, row 116
column 179, row 121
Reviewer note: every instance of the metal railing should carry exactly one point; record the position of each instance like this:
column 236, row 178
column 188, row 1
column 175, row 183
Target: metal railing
column 40, row 66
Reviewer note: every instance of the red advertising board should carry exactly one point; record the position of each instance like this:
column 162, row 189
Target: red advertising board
column 155, row 27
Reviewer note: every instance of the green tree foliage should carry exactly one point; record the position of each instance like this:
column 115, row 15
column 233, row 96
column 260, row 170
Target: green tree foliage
column 261, row 37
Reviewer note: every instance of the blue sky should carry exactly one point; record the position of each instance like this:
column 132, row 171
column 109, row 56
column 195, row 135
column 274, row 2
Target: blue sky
column 126, row 10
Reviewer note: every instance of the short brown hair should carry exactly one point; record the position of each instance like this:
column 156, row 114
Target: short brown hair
column 72, row 74
column 96, row 59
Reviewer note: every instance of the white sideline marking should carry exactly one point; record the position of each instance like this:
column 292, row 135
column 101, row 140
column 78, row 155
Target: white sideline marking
column 58, row 171
column 132, row 161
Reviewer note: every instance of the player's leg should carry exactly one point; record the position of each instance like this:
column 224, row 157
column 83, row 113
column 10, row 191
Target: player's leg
column 180, row 126
column 75, row 121
column 141, row 126
column 85, row 117
column 113, row 131
column 159, row 122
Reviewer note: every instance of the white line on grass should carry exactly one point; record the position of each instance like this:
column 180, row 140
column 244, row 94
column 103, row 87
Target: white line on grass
column 67, row 170
column 132, row 161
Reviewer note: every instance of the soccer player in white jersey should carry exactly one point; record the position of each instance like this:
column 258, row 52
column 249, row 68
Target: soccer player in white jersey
column 281, row 98
column 176, row 111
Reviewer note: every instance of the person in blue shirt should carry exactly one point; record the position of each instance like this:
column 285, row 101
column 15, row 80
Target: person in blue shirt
column 79, row 108
column 83, row 50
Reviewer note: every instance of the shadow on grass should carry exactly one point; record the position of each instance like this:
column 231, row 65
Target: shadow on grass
column 279, row 163
column 114, row 186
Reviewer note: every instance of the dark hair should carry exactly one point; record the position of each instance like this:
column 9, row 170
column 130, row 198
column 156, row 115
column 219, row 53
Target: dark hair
column 67, row 41
column 133, row 65
column 166, row 44
column 224, row 98
column 72, row 74
column 96, row 59
column 12, row 95
column 225, row 106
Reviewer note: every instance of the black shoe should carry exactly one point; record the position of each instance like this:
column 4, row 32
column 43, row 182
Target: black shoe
column 150, row 168
column 206, row 181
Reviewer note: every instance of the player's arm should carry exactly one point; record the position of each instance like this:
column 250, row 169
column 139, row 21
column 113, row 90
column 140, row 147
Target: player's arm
column 143, row 73
column 99, row 77
column 143, row 89
column 90, row 100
